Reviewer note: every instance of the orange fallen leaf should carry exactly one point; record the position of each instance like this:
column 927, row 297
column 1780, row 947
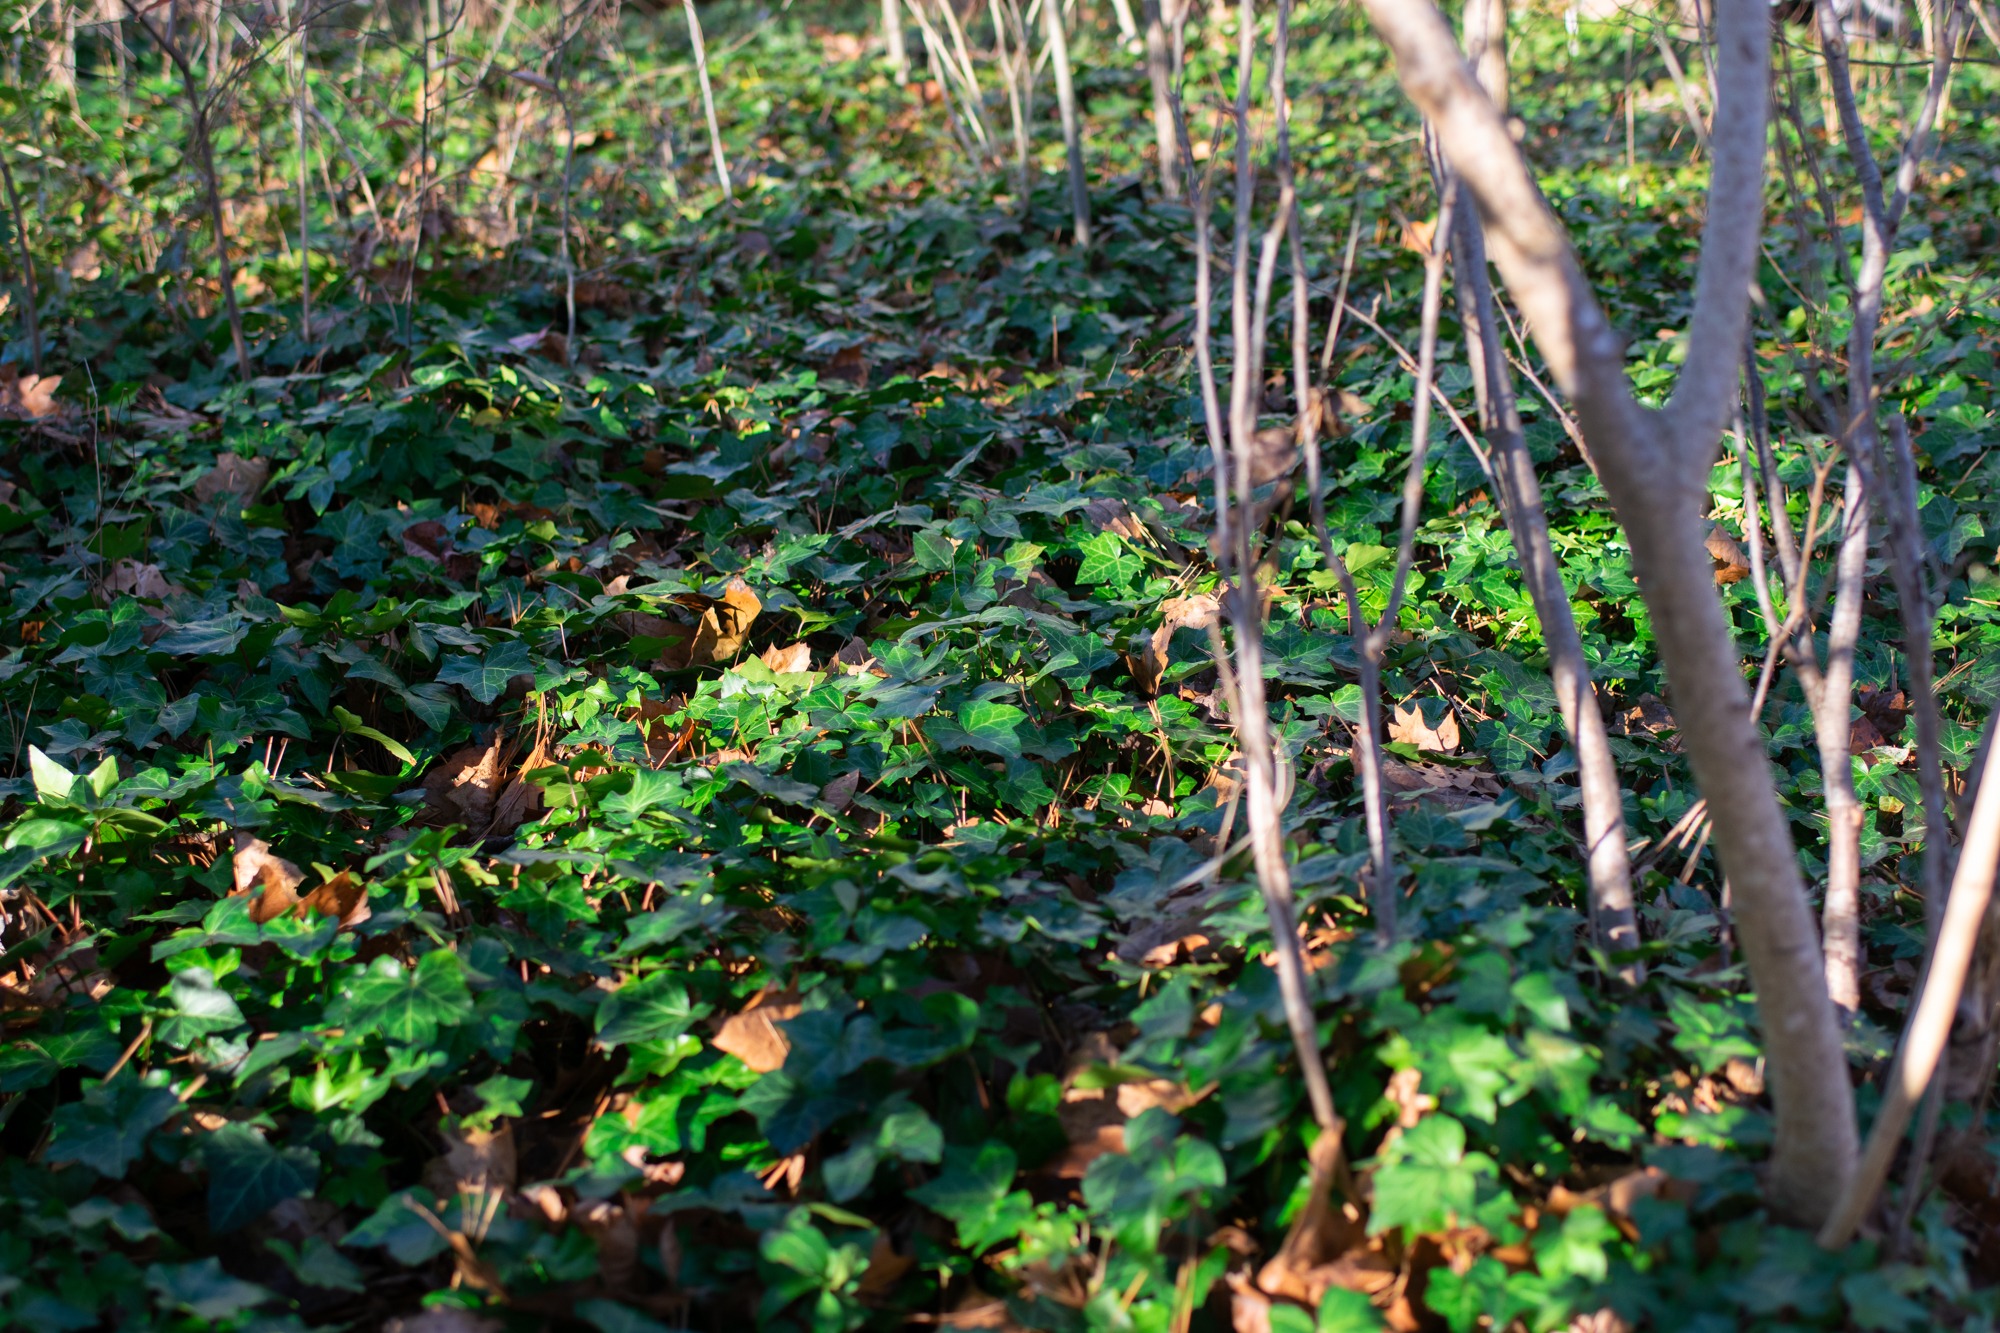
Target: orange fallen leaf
column 1408, row 726
column 787, row 661
column 718, row 635
column 275, row 879
column 235, row 476
column 753, row 1036
column 463, row 786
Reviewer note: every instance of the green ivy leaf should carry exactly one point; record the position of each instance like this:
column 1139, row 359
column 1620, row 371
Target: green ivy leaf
column 1108, row 559
column 204, row 1290
column 649, row 1009
column 247, row 1177
column 486, row 676
column 107, row 1130
column 993, row 726
column 1427, row 1178
column 406, row 1004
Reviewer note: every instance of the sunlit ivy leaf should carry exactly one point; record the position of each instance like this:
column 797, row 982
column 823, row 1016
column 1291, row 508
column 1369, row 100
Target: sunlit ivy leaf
column 1427, row 1178
column 485, row 677
column 1108, row 559
column 406, row 1004
column 649, row 1009
column 993, row 726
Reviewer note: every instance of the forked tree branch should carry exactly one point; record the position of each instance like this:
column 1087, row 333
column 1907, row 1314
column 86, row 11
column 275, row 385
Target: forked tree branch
column 1655, row 465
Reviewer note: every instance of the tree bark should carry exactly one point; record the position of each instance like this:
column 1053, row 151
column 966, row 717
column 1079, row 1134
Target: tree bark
column 1654, row 465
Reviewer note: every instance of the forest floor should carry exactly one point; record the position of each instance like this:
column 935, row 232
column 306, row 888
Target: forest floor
column 722, row 811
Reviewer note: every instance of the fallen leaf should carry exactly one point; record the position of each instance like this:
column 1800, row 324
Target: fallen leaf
column 276, row 879
column 718, row 635
column 442, row 1319
column 28, row 396
column 787, row 661
column 1409, row 727
column 344, row 898
column 838, row 794
column 521, row 800
column 753, row 1036
column 475, row 1161
column 1418, row 234
column 242, row 478
column 1327, row 1244
column 1194, row 611
column 463, row 786
column 886, row 1267
column 1731, row 564
column 132, row 579
column 1274, row 455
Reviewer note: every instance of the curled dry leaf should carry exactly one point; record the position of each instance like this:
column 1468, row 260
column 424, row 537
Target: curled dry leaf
column 787, row 661
column 753, row 1036
column 241, row 478
column 344, row 898
column 718, row 635
column 275, row 879
column 27, row 396
column 475, row 1161
column 838, row 794
column 522, row 800
column 886, row 1267
column 463, row 786
column 1194, row 611
column 1408, row 726
column 1731, row 564
column 132, row 579
column 1328, row 1244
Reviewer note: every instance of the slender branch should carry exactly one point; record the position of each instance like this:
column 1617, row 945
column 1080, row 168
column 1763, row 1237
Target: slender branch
column 1937, row 1001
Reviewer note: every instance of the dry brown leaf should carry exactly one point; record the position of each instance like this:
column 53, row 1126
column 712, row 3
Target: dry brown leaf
column 242, row 478
column 344, row 898
column 838, row 794
column 753, row 1036
column 1274, row 455
column 275, row 879
column 1194, row 611
column 1409, row 727
column 1328, row 1244
column 786, row 1171
column 29, row 396
column 787, row 661
column 522, row 799
column 1452, row 787
column 475, row 1161
column 133, row 579
column 1731, row 564
column 886, row 1267
column 718, row 635
column 463, row 786
column 1418, row 234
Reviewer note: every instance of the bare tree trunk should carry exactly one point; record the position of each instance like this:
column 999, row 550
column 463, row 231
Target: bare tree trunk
column 31, row 301
column 1159, row 71
column 1931, row 1017
column 205, row 154
column 892, row 37
column 1079, row 185
column 708, row 99
column 1614, row 922
column 1833, row 705
column 1655, row 466
column 1233, row 445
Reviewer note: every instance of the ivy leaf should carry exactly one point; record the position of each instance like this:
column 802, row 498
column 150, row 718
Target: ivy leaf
column 52, row 781
column 992, row 726
column 1427, row 1178
column 1108, row 559
column 406, row 1004
column 201, row 1008
column 107, row 1130
column 485, row 677
column 649, row 1009
column 975, row 1193
column 352, row 725
column 247, row 1177
column 204, row 1290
